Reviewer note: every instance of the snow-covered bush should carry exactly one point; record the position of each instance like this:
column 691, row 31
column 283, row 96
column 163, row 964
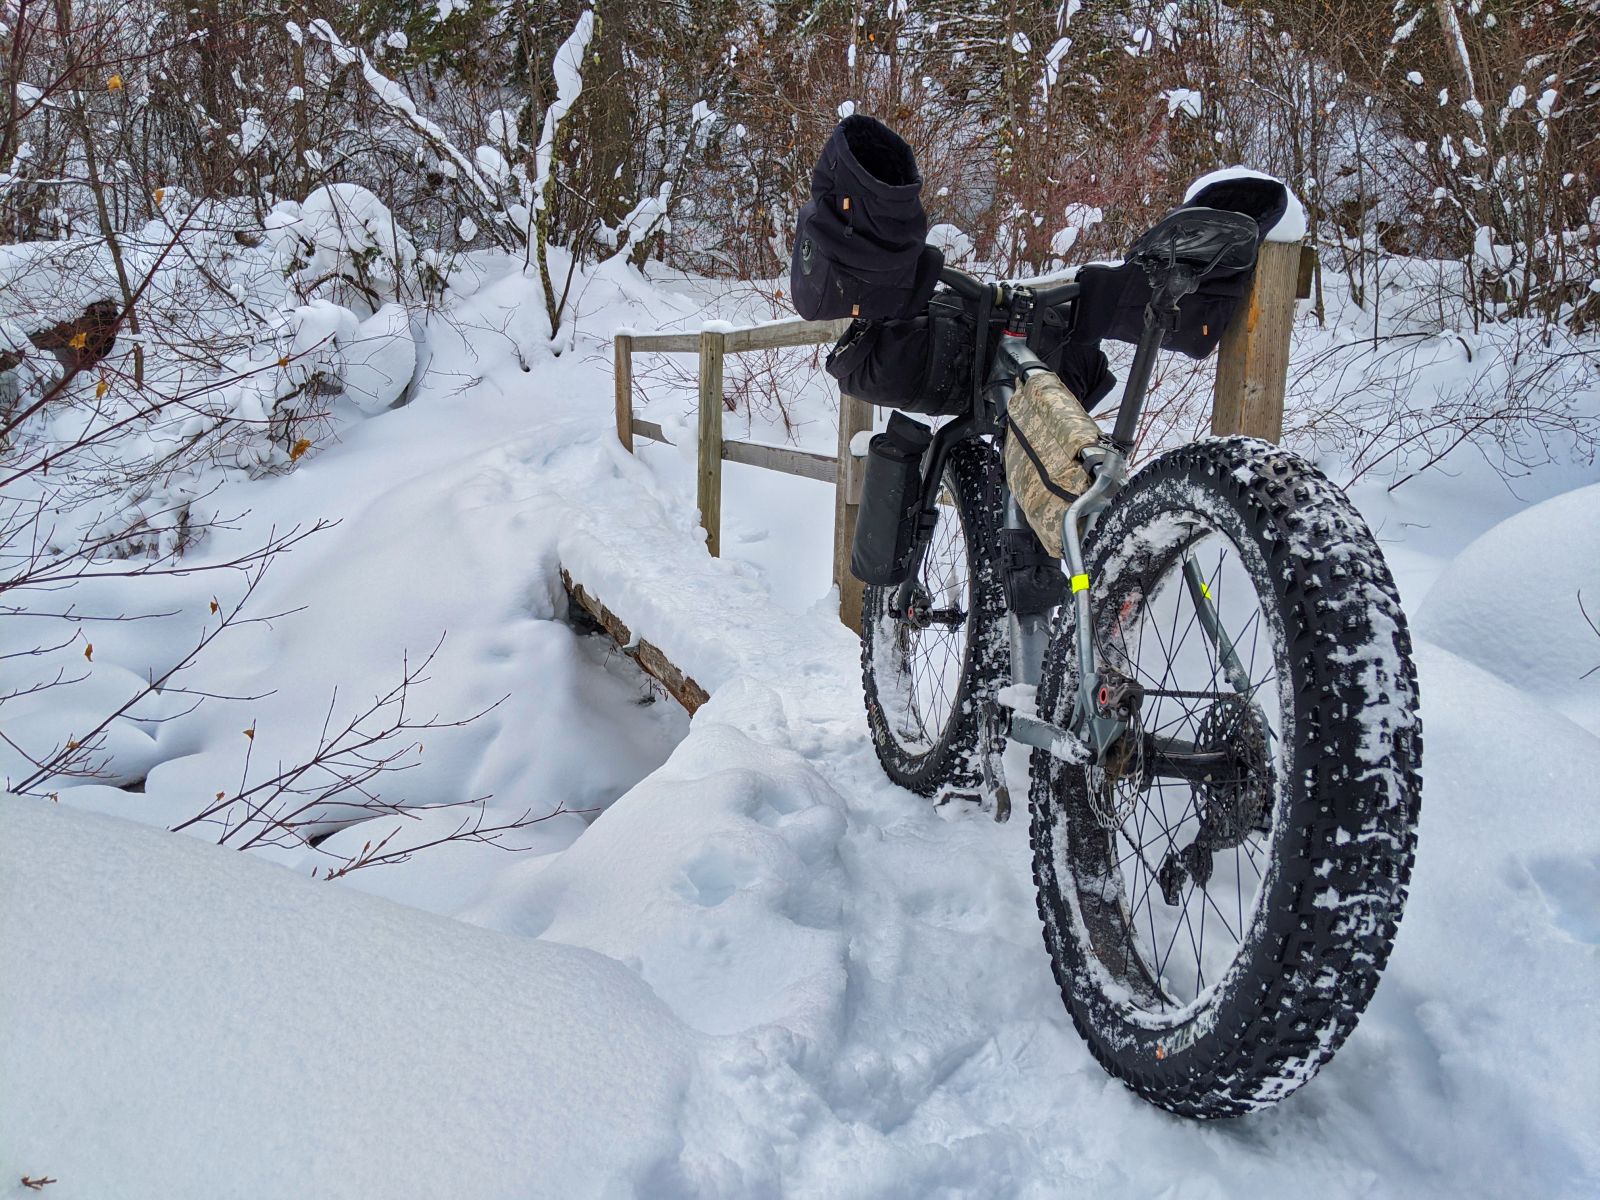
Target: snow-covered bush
column 245, row 338
column 343, row 243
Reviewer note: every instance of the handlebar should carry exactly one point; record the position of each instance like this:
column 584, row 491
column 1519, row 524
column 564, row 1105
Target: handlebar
column 968, row 286
column 1057, row 293
column 972, row 288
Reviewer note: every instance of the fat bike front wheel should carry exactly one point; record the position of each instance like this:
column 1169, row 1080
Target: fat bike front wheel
column 1216, row 933
column 931, row 675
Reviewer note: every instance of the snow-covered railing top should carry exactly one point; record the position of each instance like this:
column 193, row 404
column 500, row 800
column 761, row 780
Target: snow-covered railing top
column 769, row 335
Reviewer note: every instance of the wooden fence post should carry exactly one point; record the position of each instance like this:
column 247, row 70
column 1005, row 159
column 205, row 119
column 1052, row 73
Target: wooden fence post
column 1253, row 357
column 854, row 417
column 712, row 346
column 622, row 351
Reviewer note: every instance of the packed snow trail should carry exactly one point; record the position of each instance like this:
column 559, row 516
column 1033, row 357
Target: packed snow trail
column 845, row 992
column 938, row 1024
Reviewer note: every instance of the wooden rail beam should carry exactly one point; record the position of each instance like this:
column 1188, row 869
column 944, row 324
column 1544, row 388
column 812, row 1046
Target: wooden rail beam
column 784, row 333
column 666, row 342
column 652, row 431
column 804, row 463
column 655, row 664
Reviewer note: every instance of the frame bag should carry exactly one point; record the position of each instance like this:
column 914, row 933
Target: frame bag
column 1046, row 430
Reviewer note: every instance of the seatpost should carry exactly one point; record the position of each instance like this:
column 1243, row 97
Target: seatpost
column 1160, row 318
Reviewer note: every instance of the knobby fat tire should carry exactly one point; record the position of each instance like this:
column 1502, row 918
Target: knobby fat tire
column 1344, row 829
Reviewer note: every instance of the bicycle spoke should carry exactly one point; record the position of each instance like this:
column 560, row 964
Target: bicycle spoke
column 1161, row 823
column 927, row 671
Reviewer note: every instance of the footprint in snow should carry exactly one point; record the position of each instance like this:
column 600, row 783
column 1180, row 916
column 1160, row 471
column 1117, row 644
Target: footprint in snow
column 713, row 877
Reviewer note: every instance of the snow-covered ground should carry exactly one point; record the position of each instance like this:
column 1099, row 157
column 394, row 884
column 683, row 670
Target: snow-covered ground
column 762, row 968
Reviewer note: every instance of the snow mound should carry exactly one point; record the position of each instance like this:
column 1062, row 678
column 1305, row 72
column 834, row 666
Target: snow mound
column 243, row 1031
column 1486, row 1014
column 340, row 230
column 1509, row 603
column 719, row 879
column 381, row 359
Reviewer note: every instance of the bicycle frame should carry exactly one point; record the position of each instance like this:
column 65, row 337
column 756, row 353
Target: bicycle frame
column 1096, row 723
column 1092, row 731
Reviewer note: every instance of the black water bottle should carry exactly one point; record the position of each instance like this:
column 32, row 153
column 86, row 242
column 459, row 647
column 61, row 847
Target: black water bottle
column 891, row 493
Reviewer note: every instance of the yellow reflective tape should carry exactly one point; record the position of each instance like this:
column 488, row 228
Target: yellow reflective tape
column 1205, row 590
column 1080, row 583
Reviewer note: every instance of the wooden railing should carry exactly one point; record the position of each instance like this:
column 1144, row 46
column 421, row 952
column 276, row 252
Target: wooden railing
column 1252, row 373
column 843, row 469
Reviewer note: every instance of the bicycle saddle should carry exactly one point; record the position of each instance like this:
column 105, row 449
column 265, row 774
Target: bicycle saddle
column 1195, row 242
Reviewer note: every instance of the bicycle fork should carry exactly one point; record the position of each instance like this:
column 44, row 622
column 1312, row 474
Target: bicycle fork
column 1105, row 706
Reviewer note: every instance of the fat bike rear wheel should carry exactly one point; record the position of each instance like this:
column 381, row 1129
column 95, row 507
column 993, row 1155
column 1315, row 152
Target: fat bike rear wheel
column 931, row 675
column 1216, row 935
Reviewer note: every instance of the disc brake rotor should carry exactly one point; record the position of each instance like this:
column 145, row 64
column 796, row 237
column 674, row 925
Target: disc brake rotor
column 1234, row 803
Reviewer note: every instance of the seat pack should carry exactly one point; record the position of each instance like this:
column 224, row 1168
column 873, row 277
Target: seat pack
column 1114, row 295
